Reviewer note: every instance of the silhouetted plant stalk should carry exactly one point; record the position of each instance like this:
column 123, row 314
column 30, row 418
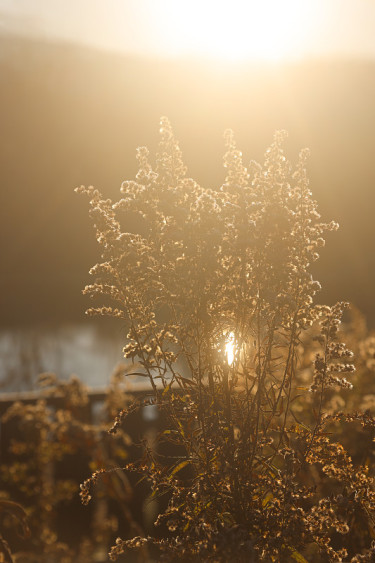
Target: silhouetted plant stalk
column 204, row 270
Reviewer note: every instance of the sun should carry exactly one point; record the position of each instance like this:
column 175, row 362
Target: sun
column 230, row 348
column 235, row 30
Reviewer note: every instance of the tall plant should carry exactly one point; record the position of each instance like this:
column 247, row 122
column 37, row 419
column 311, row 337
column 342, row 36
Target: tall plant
column 216, row 290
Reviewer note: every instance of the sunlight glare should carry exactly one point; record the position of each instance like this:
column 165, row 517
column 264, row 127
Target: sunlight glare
column 236, row 30
column 230, row 348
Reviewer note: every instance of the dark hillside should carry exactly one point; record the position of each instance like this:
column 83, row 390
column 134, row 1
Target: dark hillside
column 71, row 116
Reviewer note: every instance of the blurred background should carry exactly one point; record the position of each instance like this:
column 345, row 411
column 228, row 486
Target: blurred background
column 83, row 83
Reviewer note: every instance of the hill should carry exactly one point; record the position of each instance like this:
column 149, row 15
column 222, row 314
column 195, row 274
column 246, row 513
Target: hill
column 71, row 115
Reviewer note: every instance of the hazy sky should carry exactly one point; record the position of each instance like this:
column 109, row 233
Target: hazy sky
column 265, row 29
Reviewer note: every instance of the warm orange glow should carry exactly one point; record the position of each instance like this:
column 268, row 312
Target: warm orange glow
column 236, row 30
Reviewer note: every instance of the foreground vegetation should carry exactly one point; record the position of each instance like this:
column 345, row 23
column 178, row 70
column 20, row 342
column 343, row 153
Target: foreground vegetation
column 267, row 444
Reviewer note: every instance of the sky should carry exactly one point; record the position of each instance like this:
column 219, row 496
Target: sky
column 236, row 29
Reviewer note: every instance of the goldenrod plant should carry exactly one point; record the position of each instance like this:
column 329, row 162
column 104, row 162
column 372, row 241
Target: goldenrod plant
column 216, row 291
column 54, row 442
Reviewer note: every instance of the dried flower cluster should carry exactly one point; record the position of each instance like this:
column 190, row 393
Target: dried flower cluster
column 49, row 437
column 216, row 290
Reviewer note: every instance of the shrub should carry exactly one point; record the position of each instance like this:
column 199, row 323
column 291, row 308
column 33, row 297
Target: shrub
column 54, row 443
column 216, row 291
